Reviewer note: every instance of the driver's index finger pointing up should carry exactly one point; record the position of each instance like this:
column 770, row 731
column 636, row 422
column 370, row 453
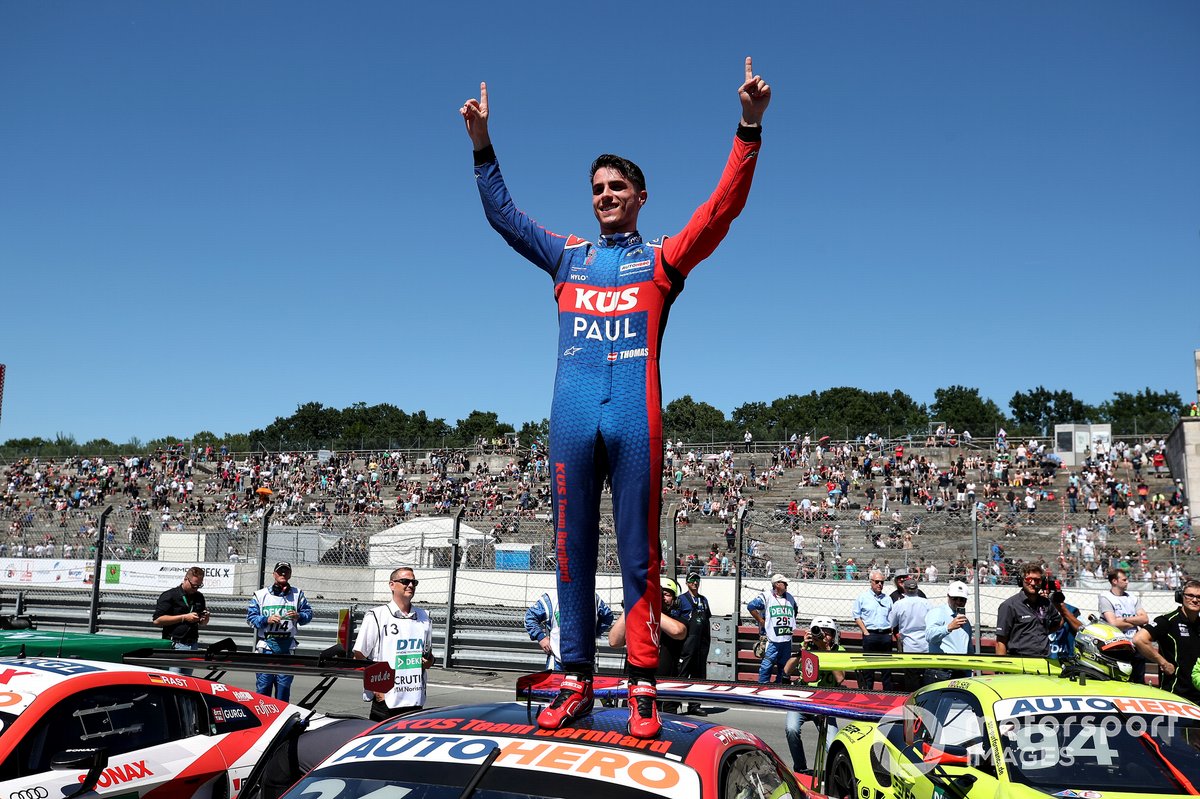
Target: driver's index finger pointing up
column 749, row 68
column 483, row 95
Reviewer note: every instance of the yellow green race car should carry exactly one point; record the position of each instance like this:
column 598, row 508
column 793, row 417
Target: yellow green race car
column 1014, row 736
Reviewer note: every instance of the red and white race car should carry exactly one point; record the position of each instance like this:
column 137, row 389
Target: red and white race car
column 117, row 730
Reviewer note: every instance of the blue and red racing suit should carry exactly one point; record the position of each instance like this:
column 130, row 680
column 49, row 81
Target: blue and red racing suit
column 606, row 416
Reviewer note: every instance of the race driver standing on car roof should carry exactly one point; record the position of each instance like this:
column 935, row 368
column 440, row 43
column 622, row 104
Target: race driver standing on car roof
column 613, row 298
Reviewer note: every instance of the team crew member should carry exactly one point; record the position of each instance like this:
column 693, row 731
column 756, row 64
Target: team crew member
column 1124, row 611
column 775, row 612
column 1178, row 637
column 542, row 624
column 670, row 643
column 275, row 612
column 181, row 612
column 871, row 610
column 613, row 298
column 401, row 635
column 1025, row 621
column 694, row 611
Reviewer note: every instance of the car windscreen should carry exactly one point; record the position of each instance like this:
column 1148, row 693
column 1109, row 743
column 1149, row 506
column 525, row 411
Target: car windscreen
column 1140, row 753
column 397, row 779
column 6, row 721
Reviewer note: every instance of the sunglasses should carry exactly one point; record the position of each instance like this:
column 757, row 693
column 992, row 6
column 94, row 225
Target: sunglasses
column 877, row 581
column 407, row 581
column 195, row 584
column 1034, row 580
column 1193, row 597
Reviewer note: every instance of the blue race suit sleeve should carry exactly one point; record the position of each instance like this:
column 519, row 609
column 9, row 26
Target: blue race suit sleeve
column 537, row 620
column 303, row 609
column 254, row 615
column 604, row 618
column 537, row 244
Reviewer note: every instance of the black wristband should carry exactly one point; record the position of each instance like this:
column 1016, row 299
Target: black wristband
column 749, row 134
column 485, row 156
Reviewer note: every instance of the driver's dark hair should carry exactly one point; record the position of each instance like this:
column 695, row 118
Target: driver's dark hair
column 631, row 171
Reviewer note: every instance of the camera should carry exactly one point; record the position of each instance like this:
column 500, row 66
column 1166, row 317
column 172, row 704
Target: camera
column 817, row 634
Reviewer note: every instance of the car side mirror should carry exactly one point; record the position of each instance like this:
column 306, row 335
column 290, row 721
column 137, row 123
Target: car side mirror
column 94, row 760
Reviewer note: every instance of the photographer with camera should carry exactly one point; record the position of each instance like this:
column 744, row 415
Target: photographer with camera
column 822, row 636
column 1062, row 640
column 1025, row 621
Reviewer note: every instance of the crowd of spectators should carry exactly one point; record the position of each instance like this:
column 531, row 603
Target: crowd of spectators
column 1112, row 515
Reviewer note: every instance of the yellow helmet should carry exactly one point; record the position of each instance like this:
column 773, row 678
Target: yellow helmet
column 1105, row 649
column 669, row 585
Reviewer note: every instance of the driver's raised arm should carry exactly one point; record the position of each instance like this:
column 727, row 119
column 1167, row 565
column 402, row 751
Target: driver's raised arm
column 522, row 234
column 711, row 221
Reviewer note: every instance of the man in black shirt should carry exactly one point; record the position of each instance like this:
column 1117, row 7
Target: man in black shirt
column 182, row 611
column 1025, row 621
column 898, row 580
column 1178, row 637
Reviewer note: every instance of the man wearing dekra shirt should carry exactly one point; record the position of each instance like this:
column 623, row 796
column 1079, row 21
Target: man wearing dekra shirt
column 399, row 634
column 275, row 612
column 775, row 612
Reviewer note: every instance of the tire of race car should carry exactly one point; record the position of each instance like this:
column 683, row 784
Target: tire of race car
column 840, row 782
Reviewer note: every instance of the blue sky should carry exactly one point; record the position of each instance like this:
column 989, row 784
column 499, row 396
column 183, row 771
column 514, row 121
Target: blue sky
column 211, row 212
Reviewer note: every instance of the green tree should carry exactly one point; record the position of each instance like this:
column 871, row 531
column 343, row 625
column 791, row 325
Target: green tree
column 963, row 409
column 695, row 421
column 1147, row 411
column 485, row 424
column 535, row 431
column 1038, row 410
column 312, row 425
column 757, row 417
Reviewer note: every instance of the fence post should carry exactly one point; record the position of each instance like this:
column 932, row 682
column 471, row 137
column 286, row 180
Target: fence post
column 672, row 545
column 737, row 590
column 94, row 610
column 454, row 545
column 262, row 549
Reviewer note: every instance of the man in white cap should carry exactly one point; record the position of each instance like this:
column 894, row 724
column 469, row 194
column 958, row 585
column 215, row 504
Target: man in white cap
column 948, row 631
column 775, row 611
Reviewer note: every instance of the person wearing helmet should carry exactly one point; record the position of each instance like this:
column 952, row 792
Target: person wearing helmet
column 1102, row 652
column 822, row 636
column 670, row 644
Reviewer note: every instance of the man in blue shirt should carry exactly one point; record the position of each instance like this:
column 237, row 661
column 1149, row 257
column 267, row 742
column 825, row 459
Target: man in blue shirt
column 871, row 609
column 948, row 631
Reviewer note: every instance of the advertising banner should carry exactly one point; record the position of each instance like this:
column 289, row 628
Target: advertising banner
column 120, row 575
